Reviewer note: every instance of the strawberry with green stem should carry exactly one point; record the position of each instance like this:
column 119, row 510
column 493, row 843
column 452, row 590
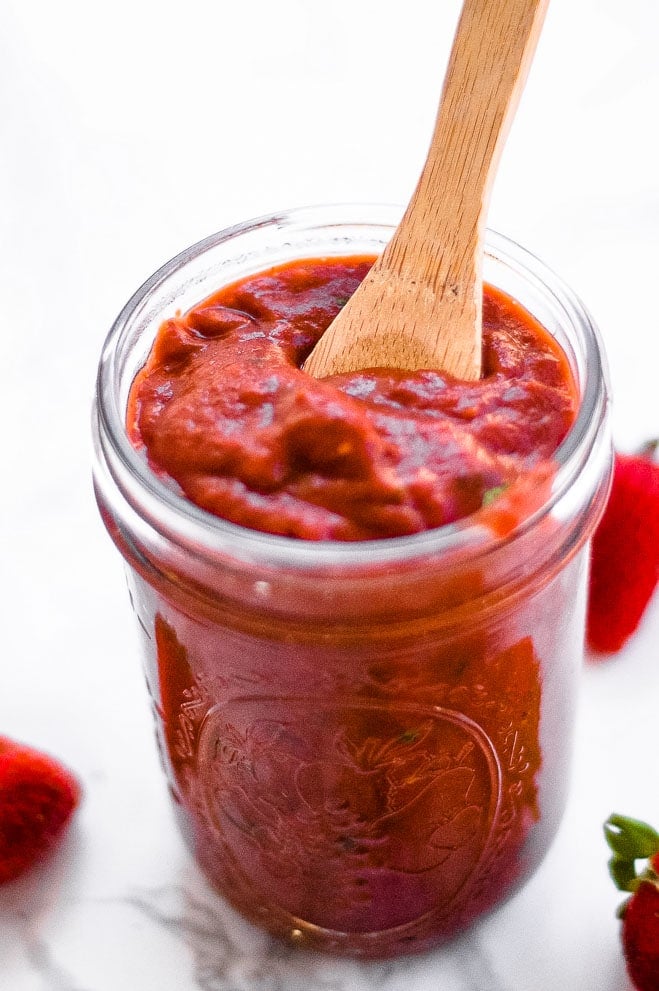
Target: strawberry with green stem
column 631, row 841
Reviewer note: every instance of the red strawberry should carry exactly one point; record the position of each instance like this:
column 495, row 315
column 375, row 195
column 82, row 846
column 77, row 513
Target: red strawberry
column 37, row 798
column 625, row 553
column 630, row 841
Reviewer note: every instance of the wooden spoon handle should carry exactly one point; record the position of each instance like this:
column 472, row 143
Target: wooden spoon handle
column 420, row 306
column 490, row 59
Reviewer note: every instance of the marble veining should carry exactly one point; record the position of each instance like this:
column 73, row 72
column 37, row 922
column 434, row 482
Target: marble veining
column 41, row 957
column 230, row 955
column 214, row 948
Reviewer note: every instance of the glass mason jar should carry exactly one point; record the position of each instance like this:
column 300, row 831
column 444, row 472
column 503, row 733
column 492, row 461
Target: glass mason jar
column 367, row 744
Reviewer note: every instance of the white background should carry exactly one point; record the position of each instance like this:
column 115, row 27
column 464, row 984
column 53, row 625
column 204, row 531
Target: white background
column 132, row 129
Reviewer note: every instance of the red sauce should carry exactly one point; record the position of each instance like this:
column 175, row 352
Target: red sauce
column 223, row 408
column 364, row 771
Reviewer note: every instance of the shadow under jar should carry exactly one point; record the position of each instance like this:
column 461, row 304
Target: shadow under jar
column 367, row 743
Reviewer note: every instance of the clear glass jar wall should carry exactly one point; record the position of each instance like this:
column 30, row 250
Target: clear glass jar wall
column 368, row 745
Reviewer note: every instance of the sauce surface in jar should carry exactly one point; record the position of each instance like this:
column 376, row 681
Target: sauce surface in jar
column 224, row 409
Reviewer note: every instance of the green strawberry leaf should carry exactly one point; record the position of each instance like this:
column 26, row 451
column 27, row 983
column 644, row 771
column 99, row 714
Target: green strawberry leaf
column 630, row 839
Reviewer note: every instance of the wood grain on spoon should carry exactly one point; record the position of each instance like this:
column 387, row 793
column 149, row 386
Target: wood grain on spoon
column 420, row 305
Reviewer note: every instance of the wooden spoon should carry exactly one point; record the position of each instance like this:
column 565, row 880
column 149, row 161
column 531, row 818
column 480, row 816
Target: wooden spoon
column 420, row 305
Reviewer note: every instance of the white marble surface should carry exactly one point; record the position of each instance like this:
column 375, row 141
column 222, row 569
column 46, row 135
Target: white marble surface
column 129, row 131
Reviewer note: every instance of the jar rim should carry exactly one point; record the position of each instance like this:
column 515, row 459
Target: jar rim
column 204, row 534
